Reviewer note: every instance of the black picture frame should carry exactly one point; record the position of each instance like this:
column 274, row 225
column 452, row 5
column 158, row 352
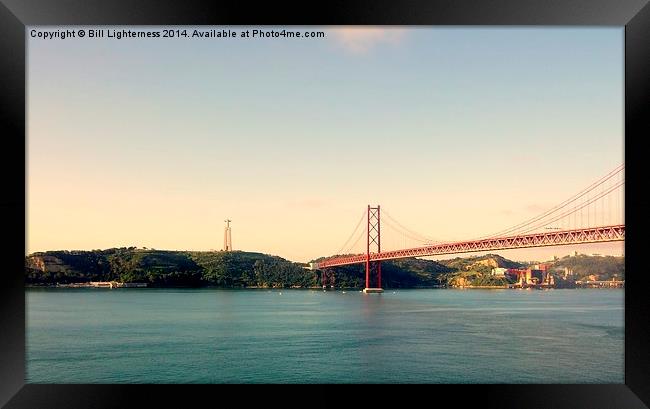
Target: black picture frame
column 634, row 15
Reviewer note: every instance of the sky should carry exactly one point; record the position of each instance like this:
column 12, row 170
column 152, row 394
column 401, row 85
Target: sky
column 457, row 132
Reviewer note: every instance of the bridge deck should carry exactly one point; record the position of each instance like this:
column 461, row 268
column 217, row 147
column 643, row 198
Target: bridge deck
column 556, row 238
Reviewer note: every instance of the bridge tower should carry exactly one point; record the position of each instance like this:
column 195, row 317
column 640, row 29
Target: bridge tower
column 227, row 237
column 373, row 242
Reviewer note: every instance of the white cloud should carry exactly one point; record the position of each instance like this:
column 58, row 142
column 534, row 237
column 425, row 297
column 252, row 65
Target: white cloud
column 360, row 40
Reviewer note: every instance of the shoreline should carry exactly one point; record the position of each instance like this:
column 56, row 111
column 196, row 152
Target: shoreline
column 87, row 285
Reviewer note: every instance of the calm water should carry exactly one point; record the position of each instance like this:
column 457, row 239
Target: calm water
column 216, row 336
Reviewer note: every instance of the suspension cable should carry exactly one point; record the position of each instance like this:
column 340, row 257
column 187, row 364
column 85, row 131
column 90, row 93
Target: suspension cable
column 559, row 206
column 569, row 212
column 352, row 234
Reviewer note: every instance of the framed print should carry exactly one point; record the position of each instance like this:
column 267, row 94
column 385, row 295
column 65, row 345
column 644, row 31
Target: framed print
column 183, row 182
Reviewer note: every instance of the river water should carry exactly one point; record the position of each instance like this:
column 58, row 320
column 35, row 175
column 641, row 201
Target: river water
column 84, row 335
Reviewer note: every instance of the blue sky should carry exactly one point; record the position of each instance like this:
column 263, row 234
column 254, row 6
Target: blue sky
column 456, row 131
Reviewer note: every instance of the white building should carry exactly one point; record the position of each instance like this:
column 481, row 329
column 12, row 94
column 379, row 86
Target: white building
column 499, row 272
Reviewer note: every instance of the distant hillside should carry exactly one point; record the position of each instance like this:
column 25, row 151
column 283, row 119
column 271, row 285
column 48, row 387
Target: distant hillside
column 582, row 266
column 166, row 268
column 482, row 264
column 160, row 268
column 402, row 273
column 412, row 272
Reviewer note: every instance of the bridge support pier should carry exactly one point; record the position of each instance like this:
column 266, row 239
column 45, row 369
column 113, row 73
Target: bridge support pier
column 373, row 290
column 373, row 238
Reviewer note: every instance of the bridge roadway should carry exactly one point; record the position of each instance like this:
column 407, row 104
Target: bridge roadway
column 555, row 238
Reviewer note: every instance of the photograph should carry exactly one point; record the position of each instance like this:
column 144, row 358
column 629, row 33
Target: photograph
column 415, row 195
column 325, row 205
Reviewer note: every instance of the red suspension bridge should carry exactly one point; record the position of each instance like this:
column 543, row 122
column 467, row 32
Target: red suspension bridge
column 594, row 215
